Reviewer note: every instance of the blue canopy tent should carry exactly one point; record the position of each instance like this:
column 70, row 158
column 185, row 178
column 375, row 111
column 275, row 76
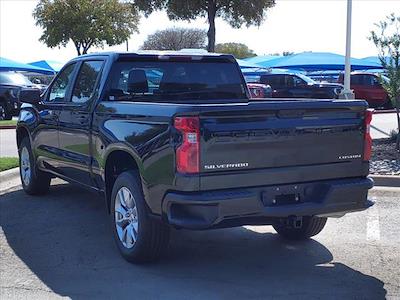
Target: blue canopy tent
column 260, row 59
column 244, row 64
column 314, row 61
column 374, row 59
column 10, row 65
column 51, row 65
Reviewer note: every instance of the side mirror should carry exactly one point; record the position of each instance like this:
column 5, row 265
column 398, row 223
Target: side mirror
column 31, row 96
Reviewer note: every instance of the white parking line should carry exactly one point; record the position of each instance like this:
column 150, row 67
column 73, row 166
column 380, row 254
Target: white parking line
column 373, row 231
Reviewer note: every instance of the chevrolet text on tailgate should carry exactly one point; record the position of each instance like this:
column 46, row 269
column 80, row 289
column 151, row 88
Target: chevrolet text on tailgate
column 171, row 139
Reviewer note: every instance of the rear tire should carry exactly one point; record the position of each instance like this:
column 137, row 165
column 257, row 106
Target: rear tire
column 34, row 181
column 139, row 238
column 310, row 226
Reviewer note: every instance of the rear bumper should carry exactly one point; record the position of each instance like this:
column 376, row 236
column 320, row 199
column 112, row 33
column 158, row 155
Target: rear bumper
column 263, row 205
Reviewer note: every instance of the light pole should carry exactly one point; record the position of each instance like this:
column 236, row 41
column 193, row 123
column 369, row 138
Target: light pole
column 347, row 93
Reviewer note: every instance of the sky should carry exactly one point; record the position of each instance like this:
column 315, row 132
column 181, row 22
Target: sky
column 292, row 25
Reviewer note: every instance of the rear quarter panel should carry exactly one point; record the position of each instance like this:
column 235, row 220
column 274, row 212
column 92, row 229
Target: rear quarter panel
column 144, row 131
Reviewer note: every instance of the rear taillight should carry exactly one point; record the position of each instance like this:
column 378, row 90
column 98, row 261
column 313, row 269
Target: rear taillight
column 367, row 135
column 187, row 154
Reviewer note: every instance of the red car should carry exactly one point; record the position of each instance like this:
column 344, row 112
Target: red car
column 258, row 90
column 368, row 87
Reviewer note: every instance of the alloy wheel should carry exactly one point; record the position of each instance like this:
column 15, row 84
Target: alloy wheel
column 26, row 170
column 126, row 217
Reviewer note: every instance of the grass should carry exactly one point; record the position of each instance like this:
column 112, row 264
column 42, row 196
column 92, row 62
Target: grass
column 7, row 163
column 8, row 122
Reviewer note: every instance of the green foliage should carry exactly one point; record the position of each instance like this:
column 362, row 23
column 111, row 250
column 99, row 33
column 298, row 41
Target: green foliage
column 287, row 53
column 7, row 163
column 238, row 50
column 235, row 12
column 86, row 22
column 8, row 123
column 387, row 40
column 176, row 39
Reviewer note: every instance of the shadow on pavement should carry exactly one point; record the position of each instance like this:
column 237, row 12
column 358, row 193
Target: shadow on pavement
column 65, row 240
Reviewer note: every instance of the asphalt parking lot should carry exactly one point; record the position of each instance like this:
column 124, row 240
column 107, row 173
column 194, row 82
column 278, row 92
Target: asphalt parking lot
column 60, row 245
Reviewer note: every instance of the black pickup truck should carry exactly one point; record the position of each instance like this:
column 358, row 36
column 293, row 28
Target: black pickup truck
column 10, row 85
column 172, row 139
column 288, row 85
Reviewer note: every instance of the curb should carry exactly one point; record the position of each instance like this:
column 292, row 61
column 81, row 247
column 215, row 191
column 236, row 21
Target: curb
column 386, row 180
column 8, row 127
column 388, row 111
column 9, row 174
column 9, row 179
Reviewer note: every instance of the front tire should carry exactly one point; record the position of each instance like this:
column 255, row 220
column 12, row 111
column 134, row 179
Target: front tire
column 310, row 226
column 34, row 181
column 139, row 238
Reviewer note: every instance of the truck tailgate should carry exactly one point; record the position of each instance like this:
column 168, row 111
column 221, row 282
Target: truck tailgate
column 281, row 143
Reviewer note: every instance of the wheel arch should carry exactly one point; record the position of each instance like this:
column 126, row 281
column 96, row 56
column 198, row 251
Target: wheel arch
column 117, row 161
column 22, row 132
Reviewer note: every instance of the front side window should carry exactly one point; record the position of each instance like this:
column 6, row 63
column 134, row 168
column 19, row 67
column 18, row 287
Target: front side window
column 62, row 84
column 275, row 81
column 289, row 81
column 85, row 86
column 371, row 80
column 175, row 81
column 298, row 81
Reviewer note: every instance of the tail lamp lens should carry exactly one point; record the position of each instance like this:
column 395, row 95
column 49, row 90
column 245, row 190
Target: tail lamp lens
column 367, row 136
column 187, row 154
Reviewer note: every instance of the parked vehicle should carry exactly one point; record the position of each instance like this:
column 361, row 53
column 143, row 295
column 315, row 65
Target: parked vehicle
column 10, row 85
column 300, row 86
column 259, row 91
column 190, row 150
column 367, row 86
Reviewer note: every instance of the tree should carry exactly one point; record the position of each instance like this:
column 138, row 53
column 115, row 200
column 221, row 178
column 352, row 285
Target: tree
column 176, row 39
column 86, row 22
column 387, row 40
column 235, row 12
column 287, row 53
column 238, row 50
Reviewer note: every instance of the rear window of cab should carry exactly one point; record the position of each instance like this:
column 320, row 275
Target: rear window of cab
column 157, row 80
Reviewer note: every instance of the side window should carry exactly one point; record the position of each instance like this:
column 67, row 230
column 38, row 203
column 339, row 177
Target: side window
column 85, row 85
column 62, row 84
column 357, row 79
column 298, row 81
column 273, row 80
column 289, row 81
column 375, row 81
column 371, row 80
